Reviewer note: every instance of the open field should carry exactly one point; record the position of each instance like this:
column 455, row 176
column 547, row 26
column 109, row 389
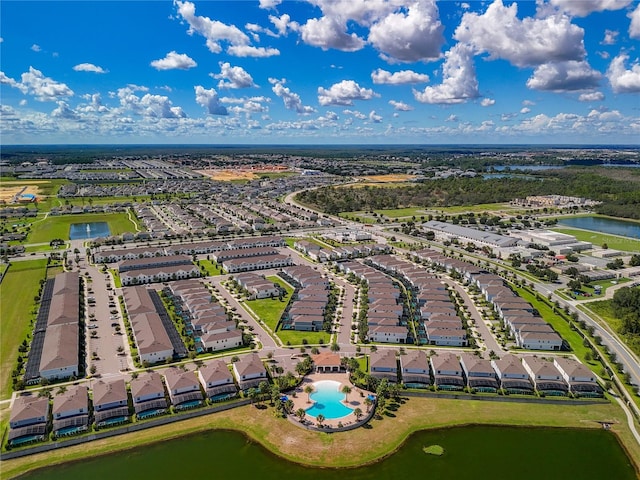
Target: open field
column 227, row 175
column 356, row 447
column 17, row 290
column 403, row 212
column 390, row 178
column 613, row 241
column 270, row 309
column 482, row 207
column 590, row 290
column 210, row 268
column 604, row 309
column 58, row 226
column 82, row 201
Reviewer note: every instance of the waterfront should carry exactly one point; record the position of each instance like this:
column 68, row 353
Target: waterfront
column 84, row 231
column 604, row 225
column 476, row 452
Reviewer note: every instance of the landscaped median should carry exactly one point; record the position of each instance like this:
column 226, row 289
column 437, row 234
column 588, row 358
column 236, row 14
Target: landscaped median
column 356, row 447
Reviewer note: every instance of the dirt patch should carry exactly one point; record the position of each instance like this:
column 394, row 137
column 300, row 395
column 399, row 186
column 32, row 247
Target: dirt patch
column 10, row 193
column 228, row 175
column 391, row 178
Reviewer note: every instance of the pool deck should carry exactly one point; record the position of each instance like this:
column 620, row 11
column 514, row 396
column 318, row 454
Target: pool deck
column 355, row 398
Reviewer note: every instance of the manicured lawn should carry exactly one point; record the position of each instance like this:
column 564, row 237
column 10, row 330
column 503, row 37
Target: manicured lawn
column 560, row 326
column 270, row 309
column 403, row 212
column 116, row 277
column 356, row 447
column 212, row 270
column 19, row 286
column 293, row 337
column 58, row 226
column 613, row 241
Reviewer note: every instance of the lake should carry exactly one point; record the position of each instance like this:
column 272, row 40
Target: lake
column 604, row 225
column 475, row 452
column 83, row 231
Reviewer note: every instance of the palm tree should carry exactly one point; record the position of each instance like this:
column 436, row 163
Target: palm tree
column 368, row 402
column 308, row 390
column 346, row 390
column 358, row 413
column 288, row 406
column 301, row 413
column 320, row 420
column 252, row 393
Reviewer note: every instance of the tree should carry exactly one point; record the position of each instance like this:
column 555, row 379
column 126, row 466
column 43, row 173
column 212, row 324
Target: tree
column 574, row 285
column 320, row 419
column 288, row 406
column 368, row 402
column 335, row 347
column 301, row 413
column 308, row 390
column 346, row 390
column 357, row 412
column 252, row 393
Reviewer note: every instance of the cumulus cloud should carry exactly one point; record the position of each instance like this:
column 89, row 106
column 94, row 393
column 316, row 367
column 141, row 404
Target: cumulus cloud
column 208, row 99
column 564, row 76
column 525, row 110
column 327, row 32
column 487, row 102
column 344, row 93
column 89, row 67
column 33, row 82
column 582, row 8
column 400, row 106
column 411, row 36
column 267, row 4
column 621, row 79
column 528, row 42
column 36, row 48
column 402, row 77
column 64, row 111
column 610, row 37
column 291, row 100
column 283, row 24
column 451, row 118
column 236, row 77
column 149, row 106
column 374, row 117
column 355, row 113
column 174, row 61
column 591, row 97
column 459, row 82
column 216, row 32
column 634, row 26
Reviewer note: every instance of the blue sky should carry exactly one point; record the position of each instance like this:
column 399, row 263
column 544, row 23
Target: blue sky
column 320, row 71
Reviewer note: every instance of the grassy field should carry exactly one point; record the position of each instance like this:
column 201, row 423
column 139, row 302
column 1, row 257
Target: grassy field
column 613, row 241
column 277, row 174
column 403, row 212
column 82, row 201
column 19, row 286
column 356, row 447
column 481, row 207
column 590, row 290
column 212, row 270
column 604, row 309
column 58, row 227
column 270, row 309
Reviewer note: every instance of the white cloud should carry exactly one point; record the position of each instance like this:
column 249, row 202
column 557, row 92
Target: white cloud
column 64, row 111
column 344, row 93
column 374, row 117
column 610, row 37
column 400, row 106
column 36, row 48
column 525, row 110
column 621, row 79
column 267, row 4
column 355, row 113
column 528, row 103
column 208, row 99
column 564, row 76
column 174, row 61
column 527, row 42
column 237, row 77
column 459, row 82
column 89, row 67
column 327, row 32
column 402, row 77
column 148, row 106
column 283, row 24
column 33, row 82
column 451, row 118
column 291, row 100
column 251, row 51
column 582, row 8
column 216, row 32
column 1, row 39
column 634, row 26
column 487, row 102
column 591, row 97
column 409, row 37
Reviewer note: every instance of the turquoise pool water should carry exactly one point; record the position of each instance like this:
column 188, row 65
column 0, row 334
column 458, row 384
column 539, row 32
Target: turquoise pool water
column 328, row 401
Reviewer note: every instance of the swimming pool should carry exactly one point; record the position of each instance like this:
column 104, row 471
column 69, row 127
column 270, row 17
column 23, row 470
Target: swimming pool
column 328, row 401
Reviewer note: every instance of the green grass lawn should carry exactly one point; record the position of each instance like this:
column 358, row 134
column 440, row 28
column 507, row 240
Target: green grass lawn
column 82, row 201
column 590, row 290
column 18, row 288
column 604, row 309
column 560, row 326
column 277, row 174
column 403, row 212
column 597, row 238
column 58, row 226
column 481, row 207
column 210, row 267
